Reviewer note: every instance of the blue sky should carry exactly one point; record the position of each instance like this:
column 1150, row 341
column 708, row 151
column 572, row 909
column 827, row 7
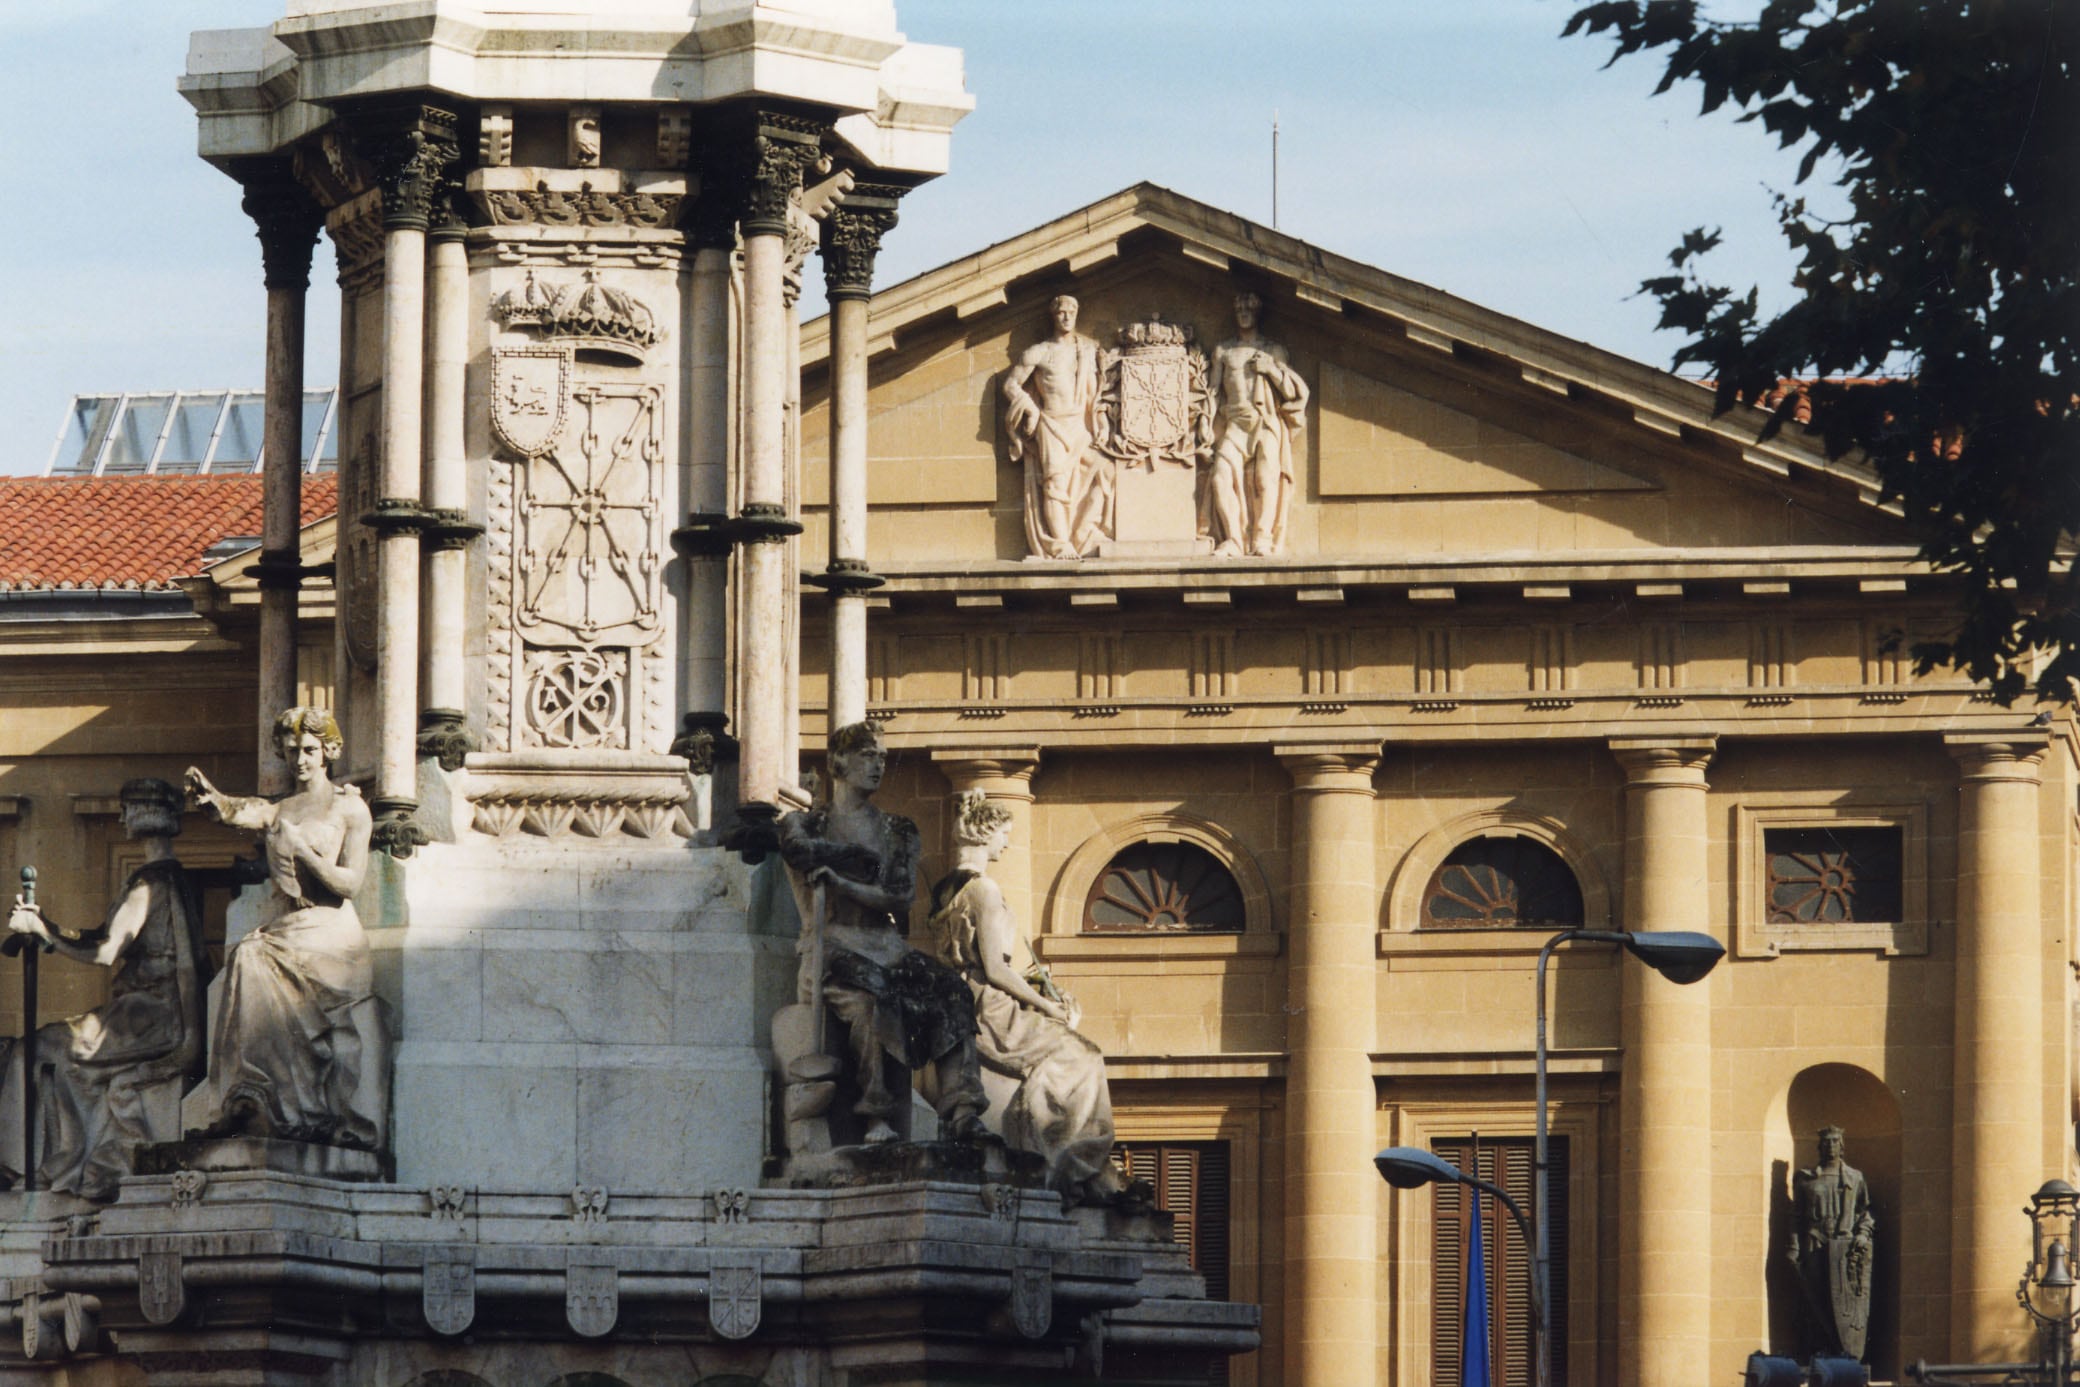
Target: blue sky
column 1463, row 145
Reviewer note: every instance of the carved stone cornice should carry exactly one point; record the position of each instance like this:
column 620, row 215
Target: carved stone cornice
column 852, row 238
column 286, row 218
column 414, row 147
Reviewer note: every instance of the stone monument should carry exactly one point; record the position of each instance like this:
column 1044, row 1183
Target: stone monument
column 527, row 864
column 1830, row 1248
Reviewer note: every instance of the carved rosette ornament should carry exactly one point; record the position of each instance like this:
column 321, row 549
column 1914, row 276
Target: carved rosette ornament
column 413, row 147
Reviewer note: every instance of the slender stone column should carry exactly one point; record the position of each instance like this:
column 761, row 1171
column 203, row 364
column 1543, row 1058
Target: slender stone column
column 1665, row 1105
column 1998, row 1156
column 1332, row 1192
column 443, row 727
column 413, row 150
column 288, row 222
column 1006, row 777
column 851, row 238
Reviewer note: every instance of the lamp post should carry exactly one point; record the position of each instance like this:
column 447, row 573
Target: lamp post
column 1411, row 1167
column 2046, row 1291
column 1681, row 956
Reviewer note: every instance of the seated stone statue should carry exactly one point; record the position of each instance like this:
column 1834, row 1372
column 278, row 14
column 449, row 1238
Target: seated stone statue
column 298, row 1050
column 1062, row 1107
column 900, row 1007
column 111, row 1080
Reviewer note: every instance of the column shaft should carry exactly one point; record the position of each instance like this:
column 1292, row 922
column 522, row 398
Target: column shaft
column 447, row 477
column 707, row 406
column 281, row 520
column 848, row 491
column 762, row 715
column 1665, row 1107
column 1332, row 1191
column 1998, row 1155
column 1006, row 777
column 397, row 557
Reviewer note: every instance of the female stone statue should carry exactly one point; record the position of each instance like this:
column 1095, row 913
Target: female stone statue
column 297, row 1049
column 1062, row 1109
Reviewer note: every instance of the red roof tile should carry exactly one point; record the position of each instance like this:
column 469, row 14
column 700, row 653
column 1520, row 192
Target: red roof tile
column 124, row 532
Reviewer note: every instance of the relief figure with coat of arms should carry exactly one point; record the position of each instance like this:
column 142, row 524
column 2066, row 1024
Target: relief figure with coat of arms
column 1050, row 396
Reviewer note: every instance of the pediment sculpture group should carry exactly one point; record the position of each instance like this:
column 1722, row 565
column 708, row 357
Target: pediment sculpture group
column 1078, row 416
column 298, row 1052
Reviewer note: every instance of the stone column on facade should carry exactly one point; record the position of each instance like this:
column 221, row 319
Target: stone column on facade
column 1006, row 776
column 1665, row 1104
column 1331, row 1188
column 851, row 239
column 413, row 150
column 1998, row 1138
column 443, row 725
column 288, row 222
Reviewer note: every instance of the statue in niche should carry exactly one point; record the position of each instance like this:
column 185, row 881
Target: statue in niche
column 299, row 1052
column 1831, row 1248
column 1260, row 402
column 112, row 1079
column 1049, row 401
column 1062, row 1108
column 903, row 1010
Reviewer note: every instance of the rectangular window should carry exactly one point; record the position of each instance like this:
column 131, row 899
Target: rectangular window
column 1190, row 1179
column 1834, row 876
column 1507, row 1163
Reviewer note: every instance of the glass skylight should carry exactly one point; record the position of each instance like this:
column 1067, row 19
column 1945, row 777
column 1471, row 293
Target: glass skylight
column 195, row 431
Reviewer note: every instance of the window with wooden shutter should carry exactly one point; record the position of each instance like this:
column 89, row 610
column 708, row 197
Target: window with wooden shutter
column 1508, row 1163
column 1190, row 1179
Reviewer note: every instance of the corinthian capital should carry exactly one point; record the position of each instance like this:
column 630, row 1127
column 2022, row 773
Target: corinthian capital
column 285, row 217
column 852, row 238
column 413, row 148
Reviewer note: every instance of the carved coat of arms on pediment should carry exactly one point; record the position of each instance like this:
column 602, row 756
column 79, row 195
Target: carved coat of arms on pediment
column 1153, row 405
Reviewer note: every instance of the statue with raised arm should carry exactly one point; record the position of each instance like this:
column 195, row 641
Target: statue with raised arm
column 1260, row 403
column 298, row 1051
column 1062, row 1107
column 1831, row 1247
column 901, row 1008
column 111, row 1080
column 1050, row 397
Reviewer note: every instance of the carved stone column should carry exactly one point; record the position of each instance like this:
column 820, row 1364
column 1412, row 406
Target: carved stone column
column 413, row 149
column 288, row 222
column 443, row 729
column 1332, row 1191
column 1998, row 1153
column 1006, row 776
column 1665, row 1106
column 851, row 239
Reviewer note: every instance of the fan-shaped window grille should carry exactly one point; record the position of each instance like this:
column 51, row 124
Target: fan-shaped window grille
column 1160, row 888
column 1500, row 881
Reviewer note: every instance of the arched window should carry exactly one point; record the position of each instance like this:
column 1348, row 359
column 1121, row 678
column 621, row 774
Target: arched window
column 1502, row 880
column 1159, row 888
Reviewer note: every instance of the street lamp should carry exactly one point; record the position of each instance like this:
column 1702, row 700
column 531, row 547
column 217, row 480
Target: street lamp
column 1681, row 956
column 1411, row 1167
column 2046, row 1291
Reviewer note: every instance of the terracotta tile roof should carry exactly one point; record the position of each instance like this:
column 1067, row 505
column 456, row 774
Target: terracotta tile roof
column 128, row 532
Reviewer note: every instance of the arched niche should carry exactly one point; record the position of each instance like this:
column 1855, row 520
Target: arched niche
column 1403, row 906
column 1857, row 1101
column 1080, row 874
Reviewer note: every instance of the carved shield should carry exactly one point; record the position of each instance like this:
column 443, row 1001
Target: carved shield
column 736, row 1295
column 1032, row 1297
column 160, row 1294
column 1154, row 399
column 529, row 388
column 35, row 1343
column 448, row 1289
column 1851, row 1295
column 591, row 1298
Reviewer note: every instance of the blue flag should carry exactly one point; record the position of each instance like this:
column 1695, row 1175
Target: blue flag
column 1473, row 1342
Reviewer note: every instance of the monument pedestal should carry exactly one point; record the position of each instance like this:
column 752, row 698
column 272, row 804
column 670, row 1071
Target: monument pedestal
column 1154, row 515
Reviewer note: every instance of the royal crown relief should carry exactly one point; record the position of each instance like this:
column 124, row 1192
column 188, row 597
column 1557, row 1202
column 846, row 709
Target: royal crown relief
column 1155, row 447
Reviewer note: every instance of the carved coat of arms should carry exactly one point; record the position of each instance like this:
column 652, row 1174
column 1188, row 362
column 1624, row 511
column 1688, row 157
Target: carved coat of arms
column 530, row 388
column 736, row 1294
column 448, row 1289
column 161, row 1294
column 591, row 1298
column 1032, row 1297
column 1153, row 405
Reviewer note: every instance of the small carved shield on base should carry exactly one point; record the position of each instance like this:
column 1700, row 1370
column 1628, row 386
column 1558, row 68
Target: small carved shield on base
column 736, row 1295
column 160, row 1293
column 591, row 1298
column 529, row 388
column 448, row 1289
column 1032, row 1297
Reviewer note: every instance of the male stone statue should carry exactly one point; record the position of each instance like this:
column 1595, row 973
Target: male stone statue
column 1260, row 403
column 897, row 1004
column 112, row 1079
column 1048, row 400
column 1831, row 1247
